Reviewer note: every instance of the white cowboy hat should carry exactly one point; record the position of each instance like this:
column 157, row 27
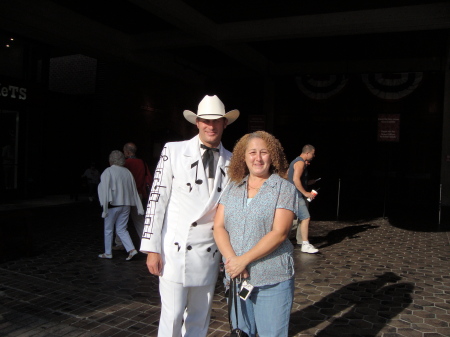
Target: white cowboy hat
column 211, row 107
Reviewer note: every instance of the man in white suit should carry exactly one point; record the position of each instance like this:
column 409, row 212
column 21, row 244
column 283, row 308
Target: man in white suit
column 178, row 232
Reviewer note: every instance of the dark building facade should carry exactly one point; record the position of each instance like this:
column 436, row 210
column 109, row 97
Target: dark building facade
column 371, row 94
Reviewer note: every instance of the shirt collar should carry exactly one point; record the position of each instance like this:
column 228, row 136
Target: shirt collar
column 270, row 181
column 203, row 150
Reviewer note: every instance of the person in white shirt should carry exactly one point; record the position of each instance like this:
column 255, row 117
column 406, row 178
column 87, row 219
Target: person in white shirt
column 117, row 193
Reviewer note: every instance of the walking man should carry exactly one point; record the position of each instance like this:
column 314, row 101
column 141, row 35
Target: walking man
column 298, row 175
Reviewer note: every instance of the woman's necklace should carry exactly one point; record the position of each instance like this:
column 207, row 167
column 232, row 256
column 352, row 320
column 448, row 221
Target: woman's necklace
column 254, row 188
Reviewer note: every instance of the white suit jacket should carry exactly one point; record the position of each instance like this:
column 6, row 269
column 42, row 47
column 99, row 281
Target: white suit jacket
column 180, row 214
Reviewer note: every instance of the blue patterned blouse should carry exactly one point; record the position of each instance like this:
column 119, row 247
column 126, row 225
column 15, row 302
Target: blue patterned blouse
column 247, row 224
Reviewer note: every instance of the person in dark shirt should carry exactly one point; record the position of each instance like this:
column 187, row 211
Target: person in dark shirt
column 298, row 175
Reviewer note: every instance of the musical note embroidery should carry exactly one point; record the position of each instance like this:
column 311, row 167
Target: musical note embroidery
column 197, row 181
column 209, row 250
column 154, row 196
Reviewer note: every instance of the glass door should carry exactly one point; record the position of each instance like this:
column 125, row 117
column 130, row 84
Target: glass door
column 9, row 135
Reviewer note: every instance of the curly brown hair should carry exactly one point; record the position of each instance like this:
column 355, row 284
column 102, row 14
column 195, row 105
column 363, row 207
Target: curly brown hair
column 238, row 168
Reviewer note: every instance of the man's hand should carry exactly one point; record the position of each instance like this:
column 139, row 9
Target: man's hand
column 154, row 263
column 309, row 195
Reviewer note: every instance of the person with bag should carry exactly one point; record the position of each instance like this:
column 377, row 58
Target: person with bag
column 251, row 229
column 143, row 178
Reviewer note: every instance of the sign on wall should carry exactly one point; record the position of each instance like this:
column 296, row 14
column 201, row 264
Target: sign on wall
column 256, row 123
column 389, row 128
column 13, row 91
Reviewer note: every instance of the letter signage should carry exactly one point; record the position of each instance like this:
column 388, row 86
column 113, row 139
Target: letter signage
column 13, row 92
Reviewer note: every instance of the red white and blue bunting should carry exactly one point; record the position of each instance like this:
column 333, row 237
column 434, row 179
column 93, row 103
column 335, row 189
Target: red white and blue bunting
column 392, row 86
column 321, row 86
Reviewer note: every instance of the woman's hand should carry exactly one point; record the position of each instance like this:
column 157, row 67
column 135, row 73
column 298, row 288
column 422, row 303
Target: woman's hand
column 235, row 266
column 244, row 274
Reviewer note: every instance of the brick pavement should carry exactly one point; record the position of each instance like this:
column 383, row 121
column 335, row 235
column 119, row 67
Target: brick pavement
column 369, row 279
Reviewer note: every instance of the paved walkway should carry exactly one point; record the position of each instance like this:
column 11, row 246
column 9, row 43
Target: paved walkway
column 369, row 279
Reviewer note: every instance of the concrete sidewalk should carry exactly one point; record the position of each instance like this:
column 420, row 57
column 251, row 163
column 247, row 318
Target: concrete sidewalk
column 369, row 279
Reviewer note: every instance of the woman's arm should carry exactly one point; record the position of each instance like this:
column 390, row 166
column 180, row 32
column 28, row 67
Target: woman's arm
column 222, row 239
column 221, row 235
column 280, row 230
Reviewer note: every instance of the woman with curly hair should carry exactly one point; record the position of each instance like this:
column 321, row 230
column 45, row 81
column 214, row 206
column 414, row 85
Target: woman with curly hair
column 251, row 229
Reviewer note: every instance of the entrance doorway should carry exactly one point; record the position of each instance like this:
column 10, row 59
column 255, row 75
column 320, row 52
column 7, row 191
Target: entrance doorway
column 9, row 133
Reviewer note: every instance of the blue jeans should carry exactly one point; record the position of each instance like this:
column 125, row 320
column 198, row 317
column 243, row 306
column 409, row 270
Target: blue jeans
column 266, row 311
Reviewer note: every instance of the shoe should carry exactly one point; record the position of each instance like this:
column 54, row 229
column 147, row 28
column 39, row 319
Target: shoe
column 105, row 256
column 132, row 253
column 118, row 247
column 309, row 248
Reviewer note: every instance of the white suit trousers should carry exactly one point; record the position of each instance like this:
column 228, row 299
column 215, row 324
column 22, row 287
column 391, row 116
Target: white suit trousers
column 189, row 304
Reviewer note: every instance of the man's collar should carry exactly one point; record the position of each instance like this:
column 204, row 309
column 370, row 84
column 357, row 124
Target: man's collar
column 200, row 142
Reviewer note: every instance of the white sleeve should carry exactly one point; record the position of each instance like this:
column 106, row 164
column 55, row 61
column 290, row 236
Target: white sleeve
column 157, row 203
column 103, row 192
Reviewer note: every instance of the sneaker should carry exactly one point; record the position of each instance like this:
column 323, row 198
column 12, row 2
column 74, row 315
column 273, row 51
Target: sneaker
column 132, row 253
column 118, row 247
column 309, row 248
column 105, row 256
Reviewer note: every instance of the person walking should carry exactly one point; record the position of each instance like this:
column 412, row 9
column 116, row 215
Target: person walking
column 117, row 193
column 298, row 175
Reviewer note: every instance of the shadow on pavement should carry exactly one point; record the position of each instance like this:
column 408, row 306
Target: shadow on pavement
column 338, row 235
column 368, row 307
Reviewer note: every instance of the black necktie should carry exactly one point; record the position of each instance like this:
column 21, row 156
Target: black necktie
column 208, row 159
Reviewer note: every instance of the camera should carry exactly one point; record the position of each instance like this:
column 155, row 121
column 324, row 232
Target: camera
column 245, row 290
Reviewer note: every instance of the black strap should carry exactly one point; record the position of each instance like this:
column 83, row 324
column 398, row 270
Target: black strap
column 232, row 297
column 208, row 159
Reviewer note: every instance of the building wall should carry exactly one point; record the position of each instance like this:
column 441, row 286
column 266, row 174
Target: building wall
column 380, row 178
